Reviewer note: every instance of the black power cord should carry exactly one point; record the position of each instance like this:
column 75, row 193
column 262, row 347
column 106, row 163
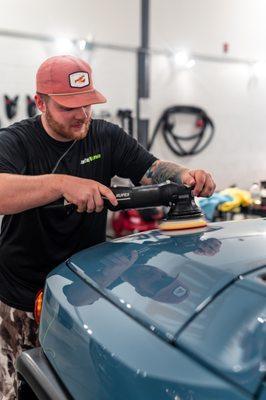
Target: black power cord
column 174, row 141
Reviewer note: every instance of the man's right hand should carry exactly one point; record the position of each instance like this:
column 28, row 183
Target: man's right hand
column 86, row 194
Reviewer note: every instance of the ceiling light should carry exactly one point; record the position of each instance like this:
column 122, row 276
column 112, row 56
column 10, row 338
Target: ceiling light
column 181, row 58
column 64, row 44
column 190, row 63
column 82, row 44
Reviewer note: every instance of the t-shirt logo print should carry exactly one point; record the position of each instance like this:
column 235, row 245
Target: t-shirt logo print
column 91, row 158
column 79, row 79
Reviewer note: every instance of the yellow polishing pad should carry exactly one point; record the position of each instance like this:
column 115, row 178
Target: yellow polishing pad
column 181, row 232
column 182, row 224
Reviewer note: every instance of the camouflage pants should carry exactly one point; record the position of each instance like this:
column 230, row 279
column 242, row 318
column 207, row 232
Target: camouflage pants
column 18, row 332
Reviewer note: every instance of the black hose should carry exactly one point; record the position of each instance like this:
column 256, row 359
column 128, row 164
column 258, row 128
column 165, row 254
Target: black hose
column 174, row 141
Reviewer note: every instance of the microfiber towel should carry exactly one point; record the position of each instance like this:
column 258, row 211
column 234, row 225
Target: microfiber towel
column 239, row 198
column 209, row 204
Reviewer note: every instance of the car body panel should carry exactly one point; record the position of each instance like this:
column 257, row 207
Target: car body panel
column 198, row 266
column 118, row 314
column 262, row 395
column 100, row 352
column 255, row 281
column 230, row 335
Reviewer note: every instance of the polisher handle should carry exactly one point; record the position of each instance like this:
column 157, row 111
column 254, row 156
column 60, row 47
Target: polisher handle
column 163, row 194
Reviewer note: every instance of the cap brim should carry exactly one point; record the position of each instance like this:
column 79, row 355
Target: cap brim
column 79, row 100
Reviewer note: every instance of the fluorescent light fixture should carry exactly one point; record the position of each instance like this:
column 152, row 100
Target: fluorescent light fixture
column 190, row 63
column 64, row 44
column 82, row 44
column 181, row 58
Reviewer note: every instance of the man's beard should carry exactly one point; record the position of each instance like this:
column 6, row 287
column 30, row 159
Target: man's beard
column 65, row 133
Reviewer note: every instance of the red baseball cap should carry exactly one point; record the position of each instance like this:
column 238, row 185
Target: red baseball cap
column 68, row 81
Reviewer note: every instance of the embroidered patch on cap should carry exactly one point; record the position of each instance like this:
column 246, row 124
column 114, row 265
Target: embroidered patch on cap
column 79, row 79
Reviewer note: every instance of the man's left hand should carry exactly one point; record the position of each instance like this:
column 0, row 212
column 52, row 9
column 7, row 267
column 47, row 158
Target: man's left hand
column 201, row 181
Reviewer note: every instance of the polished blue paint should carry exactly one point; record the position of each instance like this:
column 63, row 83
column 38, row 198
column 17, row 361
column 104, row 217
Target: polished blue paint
column 165, row 279
column 262, row 395
column 230, row 335
column 100, row 352
column 161, row 317
column 255, row 281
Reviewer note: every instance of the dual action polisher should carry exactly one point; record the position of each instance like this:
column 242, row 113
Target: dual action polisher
column 183, row 212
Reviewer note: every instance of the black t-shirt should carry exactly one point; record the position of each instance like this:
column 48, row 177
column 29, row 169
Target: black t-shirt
column 35, row 241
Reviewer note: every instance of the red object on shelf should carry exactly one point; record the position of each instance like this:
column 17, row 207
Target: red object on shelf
column 131, row 221
column 226, row 47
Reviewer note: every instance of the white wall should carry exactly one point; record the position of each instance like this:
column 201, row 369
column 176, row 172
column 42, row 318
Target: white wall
column 112, row 21
column 232, row 96
column 228, row 92
column 108, row 21
column 203, row 25
column 236, row 154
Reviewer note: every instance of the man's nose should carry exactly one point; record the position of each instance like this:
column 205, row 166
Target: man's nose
column 81, row 113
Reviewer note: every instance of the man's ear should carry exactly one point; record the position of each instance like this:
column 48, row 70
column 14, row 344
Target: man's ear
column 40, row 103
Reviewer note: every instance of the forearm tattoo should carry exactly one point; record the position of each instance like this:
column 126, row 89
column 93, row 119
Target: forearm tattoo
column 161, row 171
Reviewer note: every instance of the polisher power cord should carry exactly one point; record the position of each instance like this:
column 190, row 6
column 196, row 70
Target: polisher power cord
column 174, row 141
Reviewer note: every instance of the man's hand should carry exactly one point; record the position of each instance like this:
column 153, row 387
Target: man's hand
column 161, row 171
column 86, row 194
column 20, row 193
column 201, row 180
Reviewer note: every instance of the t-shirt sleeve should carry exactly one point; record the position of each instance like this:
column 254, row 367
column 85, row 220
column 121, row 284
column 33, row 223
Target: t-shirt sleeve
column 129, row 158
column 12, row 155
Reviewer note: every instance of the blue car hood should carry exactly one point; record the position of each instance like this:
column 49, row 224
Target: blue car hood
column 165, row 281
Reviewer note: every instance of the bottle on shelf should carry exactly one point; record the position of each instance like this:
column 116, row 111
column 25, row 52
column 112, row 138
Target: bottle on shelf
column 255, row 191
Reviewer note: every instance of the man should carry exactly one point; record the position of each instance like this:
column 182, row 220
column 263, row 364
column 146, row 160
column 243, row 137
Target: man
column 62, row 154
